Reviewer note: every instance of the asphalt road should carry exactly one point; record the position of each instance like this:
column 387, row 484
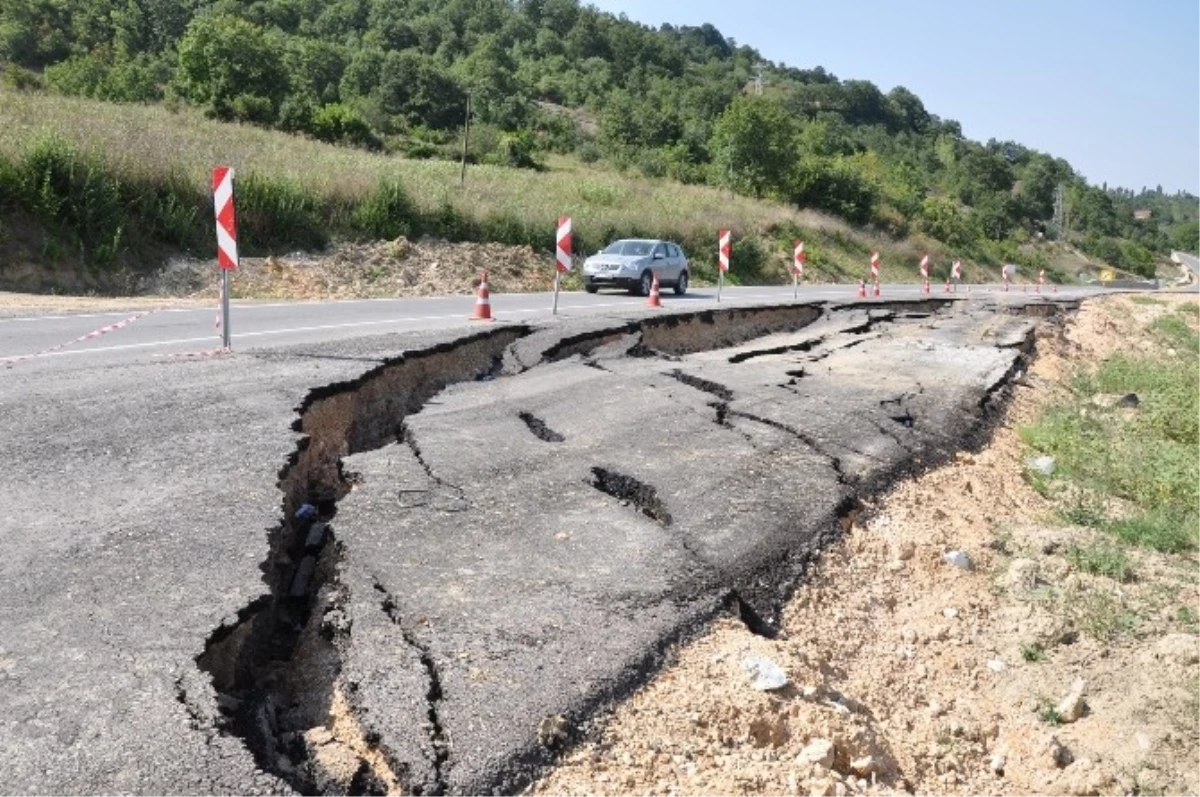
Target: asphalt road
column 172, row 332
column 1191, row 261
column 161, row 632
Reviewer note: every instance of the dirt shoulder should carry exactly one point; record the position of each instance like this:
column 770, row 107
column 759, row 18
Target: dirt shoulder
column 1023, row 674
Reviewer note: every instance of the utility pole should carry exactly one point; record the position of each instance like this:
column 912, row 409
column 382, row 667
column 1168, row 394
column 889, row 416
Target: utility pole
column 462, row 174
column 1059, row 213
column 758, row 78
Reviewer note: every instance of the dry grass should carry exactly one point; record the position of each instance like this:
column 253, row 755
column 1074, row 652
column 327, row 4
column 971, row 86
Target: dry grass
column 155, row 142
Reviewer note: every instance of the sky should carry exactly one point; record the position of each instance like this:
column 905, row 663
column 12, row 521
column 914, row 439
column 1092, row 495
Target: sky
column 1112, row 87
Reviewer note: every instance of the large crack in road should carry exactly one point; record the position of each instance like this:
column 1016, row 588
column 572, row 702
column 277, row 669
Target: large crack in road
column 508, row 532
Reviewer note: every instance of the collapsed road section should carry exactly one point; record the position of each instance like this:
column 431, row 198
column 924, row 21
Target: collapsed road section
column 485, row 542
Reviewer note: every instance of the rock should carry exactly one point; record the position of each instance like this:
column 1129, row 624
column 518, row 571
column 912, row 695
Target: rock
column 765, row 675
column 1181, row 648
column 1022, row 575
column 951, row 613
column 318, row 735
column 1073, row 706
column 958, row 559
column 905, row 551
column 1043, row 465
column 996, row 762
column 818, row 751
column 1057, row 754
column 552, row 731
column 895, row 566
column 864, row 766
column 997, row 665
column 1125, row 401
column 821, row 787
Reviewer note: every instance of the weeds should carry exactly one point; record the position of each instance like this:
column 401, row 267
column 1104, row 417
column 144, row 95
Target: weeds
column 1033, row 652
column 1102, row 560
column 1147, row 458
column 1161, row 528
column 1175, row 332
column 1047, row 712
column 1099, row 615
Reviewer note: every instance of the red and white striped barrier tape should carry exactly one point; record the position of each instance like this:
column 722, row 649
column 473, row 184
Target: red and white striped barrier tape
column 220, row 304
column 196, row 355
column 9, row 362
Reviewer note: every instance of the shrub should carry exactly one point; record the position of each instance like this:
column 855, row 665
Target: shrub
column 386, row 213
column 274, row 214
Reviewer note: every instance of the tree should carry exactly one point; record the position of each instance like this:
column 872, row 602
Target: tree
column 906, row 110
column 1186, row 237
column 411, row 86
column 753, row 147
column 232, row 68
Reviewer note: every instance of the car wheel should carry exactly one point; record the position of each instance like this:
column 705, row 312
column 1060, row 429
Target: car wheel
column 644, row 284
column 590, row 288
column 681, row 284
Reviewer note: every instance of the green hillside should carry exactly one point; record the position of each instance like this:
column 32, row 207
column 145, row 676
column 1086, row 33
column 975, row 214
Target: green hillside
column 344, row 120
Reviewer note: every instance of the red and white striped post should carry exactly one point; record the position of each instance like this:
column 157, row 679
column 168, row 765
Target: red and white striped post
column 956, row 273
column 724, row 251
column 562, row 254
column 875, row 271
column 925, row 274
column 797, row 268
column 1041, row 279
column 227, row 254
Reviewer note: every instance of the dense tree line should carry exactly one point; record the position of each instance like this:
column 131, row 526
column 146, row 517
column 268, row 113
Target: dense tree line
column 673, row 102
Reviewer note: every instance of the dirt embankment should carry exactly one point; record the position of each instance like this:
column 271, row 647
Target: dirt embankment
column 388, row 269
column 907, row 674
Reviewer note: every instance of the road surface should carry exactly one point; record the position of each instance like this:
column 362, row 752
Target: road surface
column 522, row 518
column 172, row 332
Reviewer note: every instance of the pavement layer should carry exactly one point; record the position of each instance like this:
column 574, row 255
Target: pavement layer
column 509, row 530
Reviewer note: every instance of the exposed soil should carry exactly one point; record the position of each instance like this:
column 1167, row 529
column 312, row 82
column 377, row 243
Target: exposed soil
column 389, row 269
column 909, row 674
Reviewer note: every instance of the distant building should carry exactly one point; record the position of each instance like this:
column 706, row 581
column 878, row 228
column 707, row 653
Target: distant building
column 1142, row 214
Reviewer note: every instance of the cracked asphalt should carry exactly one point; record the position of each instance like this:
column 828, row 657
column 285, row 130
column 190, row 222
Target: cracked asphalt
column 524, row 524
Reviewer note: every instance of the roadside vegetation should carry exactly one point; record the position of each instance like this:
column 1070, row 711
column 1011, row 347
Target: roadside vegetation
column 105, row 186
column 345, row 119
column 1126, row 448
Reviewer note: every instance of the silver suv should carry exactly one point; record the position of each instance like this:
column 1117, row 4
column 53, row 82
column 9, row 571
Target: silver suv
column 631, row 263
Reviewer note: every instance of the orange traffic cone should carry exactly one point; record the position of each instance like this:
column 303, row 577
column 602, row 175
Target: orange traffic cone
column 925, row 286
column 877, row 289
column 483, row 305
column 654, row 300
column 862, row 289
column 947, row 288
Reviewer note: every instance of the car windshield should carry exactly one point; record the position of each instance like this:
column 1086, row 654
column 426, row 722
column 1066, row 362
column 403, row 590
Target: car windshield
column 629, row 248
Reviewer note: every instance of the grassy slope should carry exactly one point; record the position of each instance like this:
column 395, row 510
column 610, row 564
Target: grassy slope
column 154, row 142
